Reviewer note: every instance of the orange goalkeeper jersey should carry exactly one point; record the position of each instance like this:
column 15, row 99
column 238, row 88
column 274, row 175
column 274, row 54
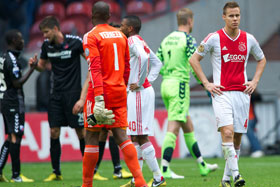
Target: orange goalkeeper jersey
column 107, row 54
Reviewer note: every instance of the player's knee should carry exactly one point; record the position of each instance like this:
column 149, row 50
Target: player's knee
column 91, row 138
column 175, row 131
column 55, row 132
column 175, row 126
column 142, row 139
column 227, row 134
column 14, row 138
column 119, row 135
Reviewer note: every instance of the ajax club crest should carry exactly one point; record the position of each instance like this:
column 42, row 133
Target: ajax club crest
column 242, row 47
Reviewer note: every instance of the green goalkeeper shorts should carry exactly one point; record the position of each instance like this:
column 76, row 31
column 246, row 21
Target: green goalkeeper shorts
column 176, row 98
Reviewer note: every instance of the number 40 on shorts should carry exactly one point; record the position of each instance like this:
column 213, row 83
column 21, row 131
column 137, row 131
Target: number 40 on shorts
column 132, row 126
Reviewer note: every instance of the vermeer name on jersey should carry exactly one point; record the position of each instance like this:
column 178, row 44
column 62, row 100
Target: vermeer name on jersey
column 234, row 58
column 62, row 54
column 112, row 34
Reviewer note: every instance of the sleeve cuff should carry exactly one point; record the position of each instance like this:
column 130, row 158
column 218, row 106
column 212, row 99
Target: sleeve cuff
column 98, row 91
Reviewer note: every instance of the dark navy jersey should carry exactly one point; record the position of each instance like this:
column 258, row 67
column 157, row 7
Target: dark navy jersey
column 65, row 61
column 10, row 70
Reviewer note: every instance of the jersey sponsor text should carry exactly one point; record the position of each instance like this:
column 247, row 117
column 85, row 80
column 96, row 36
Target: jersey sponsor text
column 234, row 58
column 63, row 54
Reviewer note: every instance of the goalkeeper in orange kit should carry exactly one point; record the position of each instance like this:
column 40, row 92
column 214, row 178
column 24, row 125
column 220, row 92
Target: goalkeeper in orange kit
column 107, row 54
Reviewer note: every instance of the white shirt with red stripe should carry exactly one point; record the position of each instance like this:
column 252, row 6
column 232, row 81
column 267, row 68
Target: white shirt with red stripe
column 140, row 58
column 141, row 102
column 229, row 57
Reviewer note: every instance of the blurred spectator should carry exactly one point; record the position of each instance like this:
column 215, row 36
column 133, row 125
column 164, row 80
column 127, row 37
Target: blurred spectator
column 256, row 149
column 17, row 14
column 30, row 8
column 71, row 1
column 10, row 18
column 148, row 1
column 43, row 87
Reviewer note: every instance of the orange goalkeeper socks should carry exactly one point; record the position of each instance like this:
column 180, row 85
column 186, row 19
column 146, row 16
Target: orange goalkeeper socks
column 89, row 162
column 130, row 158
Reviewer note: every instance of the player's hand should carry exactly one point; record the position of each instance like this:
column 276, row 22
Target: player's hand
column 250, row 87
column 102, row 114
column 133, row 86
column 33, row 61
column 214, row 89
column 78, row 107
column 92, row 120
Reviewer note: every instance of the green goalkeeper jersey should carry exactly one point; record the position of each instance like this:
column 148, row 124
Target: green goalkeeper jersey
column 175, row 51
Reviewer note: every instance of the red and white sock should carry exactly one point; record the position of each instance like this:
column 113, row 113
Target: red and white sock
column 149, row 156
column 231, row 158
column 139, row 154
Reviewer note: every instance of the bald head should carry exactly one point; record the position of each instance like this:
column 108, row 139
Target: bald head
column 101, row 11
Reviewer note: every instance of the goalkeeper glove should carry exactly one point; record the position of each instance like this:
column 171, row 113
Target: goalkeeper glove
column 91, row 120
column 101, row 114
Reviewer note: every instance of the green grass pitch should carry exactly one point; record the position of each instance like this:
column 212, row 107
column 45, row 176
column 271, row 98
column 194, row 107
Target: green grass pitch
column 261, row 172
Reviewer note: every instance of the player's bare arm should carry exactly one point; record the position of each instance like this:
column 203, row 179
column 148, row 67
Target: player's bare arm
column 19, row 82
column 211, row 87
column 138, row 51
column 41, row 64
column 252, row 85
column 78, row 107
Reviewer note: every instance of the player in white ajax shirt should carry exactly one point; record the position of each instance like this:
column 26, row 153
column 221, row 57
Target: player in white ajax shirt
column 229, row 49
column 144, row 69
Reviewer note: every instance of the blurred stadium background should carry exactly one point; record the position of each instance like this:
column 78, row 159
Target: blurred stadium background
column 258, row 17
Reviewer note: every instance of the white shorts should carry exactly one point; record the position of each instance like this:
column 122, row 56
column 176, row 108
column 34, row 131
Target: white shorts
column 232, row 108
column 140, row 112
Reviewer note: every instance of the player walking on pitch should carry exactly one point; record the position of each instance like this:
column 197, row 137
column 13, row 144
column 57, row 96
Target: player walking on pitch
column 174, row 52
column 119, row 172
column 229, row 49
column 141, row 97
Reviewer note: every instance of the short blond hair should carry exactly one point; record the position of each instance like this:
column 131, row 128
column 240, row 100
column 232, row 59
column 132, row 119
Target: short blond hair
column 183, row 15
